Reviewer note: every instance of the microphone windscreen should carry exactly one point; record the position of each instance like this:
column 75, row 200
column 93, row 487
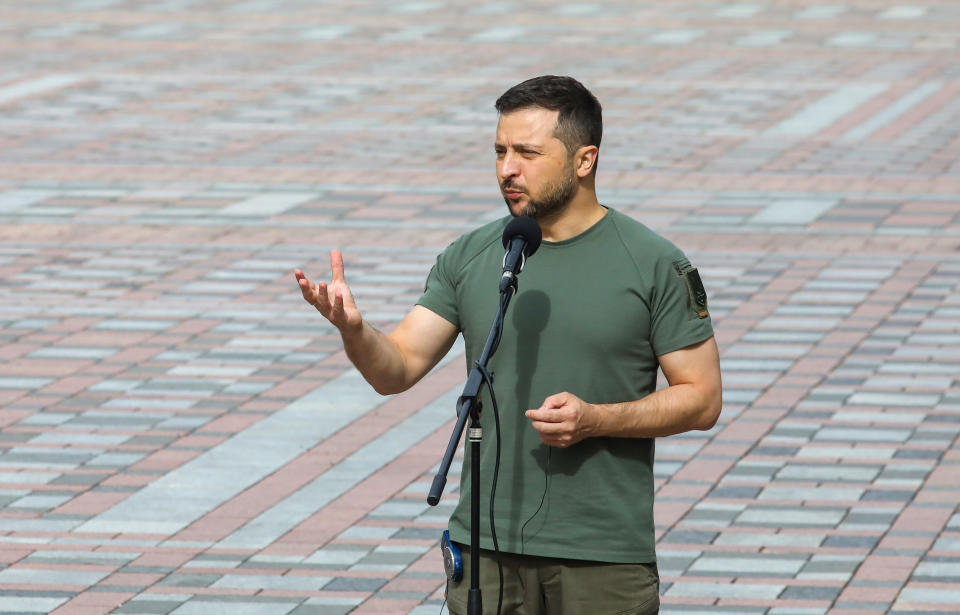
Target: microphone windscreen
column 526, row 227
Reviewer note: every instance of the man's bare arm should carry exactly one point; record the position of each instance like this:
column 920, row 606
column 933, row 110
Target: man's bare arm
column 390, row 363
column 691, row 401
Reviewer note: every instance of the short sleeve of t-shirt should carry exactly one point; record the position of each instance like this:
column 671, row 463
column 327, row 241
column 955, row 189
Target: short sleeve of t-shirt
column 439, row 294
column 678, row 311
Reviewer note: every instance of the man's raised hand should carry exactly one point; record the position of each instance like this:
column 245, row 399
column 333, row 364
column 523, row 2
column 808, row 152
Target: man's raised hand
column 333, row 300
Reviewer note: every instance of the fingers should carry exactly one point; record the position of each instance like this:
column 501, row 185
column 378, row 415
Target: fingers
column 338, row 313
column 556, row 420
column 557, row 400
column 546, row 415
column 333, row 312
column 556, row 434
column 548, row 429
column 553, row 425
column 328, row 299
column 323, row 299
column 336, row 265
column 301, row 277
column 306, row 288
column 548, row 409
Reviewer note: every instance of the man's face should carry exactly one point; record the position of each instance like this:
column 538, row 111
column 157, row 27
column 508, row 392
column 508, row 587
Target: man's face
column 535, row 172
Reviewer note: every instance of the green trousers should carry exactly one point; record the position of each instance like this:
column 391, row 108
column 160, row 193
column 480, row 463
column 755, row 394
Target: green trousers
column 552, row 586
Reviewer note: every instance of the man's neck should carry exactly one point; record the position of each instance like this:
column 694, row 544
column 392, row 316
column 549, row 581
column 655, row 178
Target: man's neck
column 583, row 212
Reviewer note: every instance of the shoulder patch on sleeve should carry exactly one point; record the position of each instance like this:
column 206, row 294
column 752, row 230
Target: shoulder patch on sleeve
column 696, row 294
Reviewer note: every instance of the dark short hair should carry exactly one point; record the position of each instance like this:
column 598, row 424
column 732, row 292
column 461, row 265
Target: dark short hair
column 579, row 121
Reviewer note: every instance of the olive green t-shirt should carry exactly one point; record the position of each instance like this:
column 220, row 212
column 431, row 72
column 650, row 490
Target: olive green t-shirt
column 591, row 316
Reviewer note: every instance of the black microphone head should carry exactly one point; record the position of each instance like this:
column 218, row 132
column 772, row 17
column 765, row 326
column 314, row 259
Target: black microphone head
column 528, row 229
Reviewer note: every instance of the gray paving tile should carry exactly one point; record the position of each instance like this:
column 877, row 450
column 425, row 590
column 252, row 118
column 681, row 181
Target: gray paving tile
column 860, row 542
column 841, row 494
column 59, row 352
column 749, row 591
column 339, row 555
column 8, row 382
column 327, row 609
column 210, row 607
column 378, row 533
column 830, row 472
column 793, row 212
column 821, row 567
column 267, row 204
column 29, row 576
column 415, row 533
column 864, row 434
column 887, row 495
column 810, row 517
column 23, row 604
column 701, row 537
column 782, row 539
column 101, row 558
column 134, row 325
column 333, row 601
column 286, row 582
column 189, row 580
column 929, row 595
column 355, row 584
column 30, row 478
column 798, row 592
column 739, row 566
column 937, row 569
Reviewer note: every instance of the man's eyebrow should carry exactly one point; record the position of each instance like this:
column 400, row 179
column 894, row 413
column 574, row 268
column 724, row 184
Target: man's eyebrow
column 520, row 145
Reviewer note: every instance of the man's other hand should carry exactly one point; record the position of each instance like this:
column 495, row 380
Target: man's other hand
column 333, row 300
column 563, row 420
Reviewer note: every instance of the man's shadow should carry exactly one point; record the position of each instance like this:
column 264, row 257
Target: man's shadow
column 531, row 314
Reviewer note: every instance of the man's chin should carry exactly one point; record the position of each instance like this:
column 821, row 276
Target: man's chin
column 518, row 209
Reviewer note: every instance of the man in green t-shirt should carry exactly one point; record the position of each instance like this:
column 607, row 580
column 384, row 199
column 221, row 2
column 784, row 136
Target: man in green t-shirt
column 603, row 304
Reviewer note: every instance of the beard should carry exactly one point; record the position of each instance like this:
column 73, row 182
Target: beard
column 555, row 198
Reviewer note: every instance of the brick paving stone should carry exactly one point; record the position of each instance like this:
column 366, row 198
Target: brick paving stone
column 24, row 604
column 209, row 607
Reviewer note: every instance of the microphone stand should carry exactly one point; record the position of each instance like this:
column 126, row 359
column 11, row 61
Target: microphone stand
column 468, row 405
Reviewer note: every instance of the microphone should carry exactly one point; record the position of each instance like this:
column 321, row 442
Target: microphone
column 521, row 238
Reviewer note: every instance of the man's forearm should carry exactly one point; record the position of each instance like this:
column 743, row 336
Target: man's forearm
column 669, row 411
column 377, row 358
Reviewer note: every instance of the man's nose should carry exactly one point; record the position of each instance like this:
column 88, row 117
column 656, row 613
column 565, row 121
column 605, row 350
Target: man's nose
column 509, row 166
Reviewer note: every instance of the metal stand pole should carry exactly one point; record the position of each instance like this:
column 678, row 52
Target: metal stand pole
column 469, row 406
column 474, row 597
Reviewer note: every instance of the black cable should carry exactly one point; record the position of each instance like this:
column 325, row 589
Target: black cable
column 543, row 496
column 498, row 324
column 488, row 378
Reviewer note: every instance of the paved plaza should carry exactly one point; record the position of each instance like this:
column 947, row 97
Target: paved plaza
column 180, row 434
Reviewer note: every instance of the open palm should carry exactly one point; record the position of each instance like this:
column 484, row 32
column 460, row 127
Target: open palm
column 333, row 300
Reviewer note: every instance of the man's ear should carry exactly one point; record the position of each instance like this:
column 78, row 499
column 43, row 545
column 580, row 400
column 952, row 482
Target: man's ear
column 585, row 159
